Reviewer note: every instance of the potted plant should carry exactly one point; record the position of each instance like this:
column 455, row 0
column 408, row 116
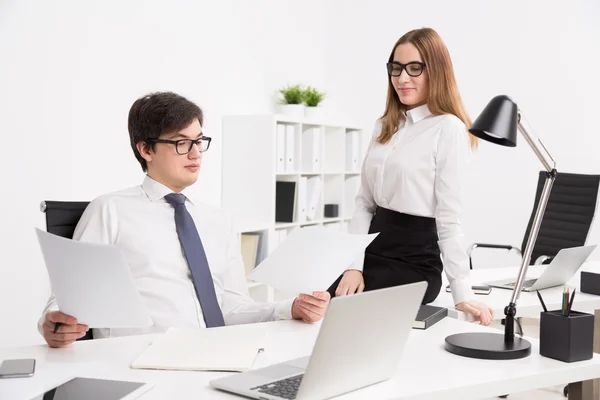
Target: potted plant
column 312, row 99
column 291, row 102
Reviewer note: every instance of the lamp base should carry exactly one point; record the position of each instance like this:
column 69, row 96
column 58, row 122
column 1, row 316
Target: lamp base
column 488, row 346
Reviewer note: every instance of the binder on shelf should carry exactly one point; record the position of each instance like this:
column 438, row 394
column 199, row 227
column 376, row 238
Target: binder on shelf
column 352, row 148
column 311, row 149
column 316, row 147
column 284, row 201
column 261, row 253
column 249, row 247
column 314, row 194
column 280, row 142
column 279, row 236
column 302, row 199
column 290, row 158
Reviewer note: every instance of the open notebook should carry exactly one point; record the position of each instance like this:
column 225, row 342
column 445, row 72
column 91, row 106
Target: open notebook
column 228, row 348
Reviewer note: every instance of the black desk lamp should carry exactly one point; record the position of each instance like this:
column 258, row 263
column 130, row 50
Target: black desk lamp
column 498, row 124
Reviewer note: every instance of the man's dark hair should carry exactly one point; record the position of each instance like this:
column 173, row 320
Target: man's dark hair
column 156, row 114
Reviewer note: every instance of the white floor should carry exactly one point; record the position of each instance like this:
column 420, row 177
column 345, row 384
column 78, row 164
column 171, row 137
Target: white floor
column 531, row 329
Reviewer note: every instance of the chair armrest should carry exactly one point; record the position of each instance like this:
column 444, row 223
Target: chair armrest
column 490, row 246
column 543, row 260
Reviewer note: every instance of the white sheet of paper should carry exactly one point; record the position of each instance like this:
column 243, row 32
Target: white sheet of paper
column 310, row 259
column 92, row 282
column 228, row 348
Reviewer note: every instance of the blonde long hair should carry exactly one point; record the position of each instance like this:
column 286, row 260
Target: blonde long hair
column 443, row 97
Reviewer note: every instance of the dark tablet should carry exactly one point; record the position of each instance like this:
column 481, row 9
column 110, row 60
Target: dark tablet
column 95, row 389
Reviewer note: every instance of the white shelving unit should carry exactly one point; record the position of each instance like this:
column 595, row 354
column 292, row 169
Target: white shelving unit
column 251, row 146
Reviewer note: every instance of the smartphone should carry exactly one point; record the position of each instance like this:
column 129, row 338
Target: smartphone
column 477, row 289
column 20, row 368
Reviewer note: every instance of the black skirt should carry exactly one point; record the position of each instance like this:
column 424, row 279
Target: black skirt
column 405, row 251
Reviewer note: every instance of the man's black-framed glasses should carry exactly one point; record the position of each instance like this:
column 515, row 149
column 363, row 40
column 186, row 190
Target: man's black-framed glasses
column 413, row 68
column 184, row 146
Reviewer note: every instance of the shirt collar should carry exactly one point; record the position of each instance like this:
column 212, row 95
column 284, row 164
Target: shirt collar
column 418, row 113
column 156, row 191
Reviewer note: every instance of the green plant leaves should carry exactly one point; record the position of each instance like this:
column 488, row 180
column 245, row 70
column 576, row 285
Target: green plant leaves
column 292, row 94
column 297, row 94
column 312, row 97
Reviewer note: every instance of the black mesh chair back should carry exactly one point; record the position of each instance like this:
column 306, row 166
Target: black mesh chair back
column 61, row 219
column 569, row 213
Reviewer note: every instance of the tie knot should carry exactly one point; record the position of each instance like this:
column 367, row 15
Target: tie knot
column 175, row 199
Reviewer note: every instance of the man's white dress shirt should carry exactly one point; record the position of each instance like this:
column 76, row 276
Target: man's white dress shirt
column 141, row 223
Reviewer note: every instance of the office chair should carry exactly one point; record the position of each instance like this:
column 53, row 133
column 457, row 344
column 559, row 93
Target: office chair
column 567, row 221
column 61, row 219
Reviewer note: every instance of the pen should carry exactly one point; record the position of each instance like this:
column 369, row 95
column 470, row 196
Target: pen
column 541, row 301
column 571, row 302
column 565, row 301
column 56, row 326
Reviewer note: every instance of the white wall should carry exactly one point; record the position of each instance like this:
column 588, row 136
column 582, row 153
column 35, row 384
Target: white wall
column 70, row 70
column 544, row 54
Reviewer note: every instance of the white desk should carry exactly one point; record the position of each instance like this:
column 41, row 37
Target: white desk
column 528, row 304
column 426, row 370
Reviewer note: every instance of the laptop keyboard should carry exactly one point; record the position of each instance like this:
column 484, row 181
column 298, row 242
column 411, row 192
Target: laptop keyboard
column 526, row 284
column 285, row 388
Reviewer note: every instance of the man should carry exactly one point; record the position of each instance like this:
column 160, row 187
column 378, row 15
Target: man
column 184, row 256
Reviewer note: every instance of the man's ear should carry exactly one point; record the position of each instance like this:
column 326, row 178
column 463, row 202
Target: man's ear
column 145, row 151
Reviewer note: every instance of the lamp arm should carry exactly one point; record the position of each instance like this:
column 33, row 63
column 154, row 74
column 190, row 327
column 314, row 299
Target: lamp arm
column 511, row 310
column 536, row 144
column 550, row 165
column 535, row 228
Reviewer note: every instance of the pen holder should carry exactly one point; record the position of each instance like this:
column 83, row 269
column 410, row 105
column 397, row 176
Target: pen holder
column 567, row 339
column 590, row 283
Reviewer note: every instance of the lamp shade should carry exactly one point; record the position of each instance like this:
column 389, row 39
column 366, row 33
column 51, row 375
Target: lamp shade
column 498, row 121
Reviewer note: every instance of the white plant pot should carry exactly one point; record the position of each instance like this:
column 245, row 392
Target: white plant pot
column 314, row 112
column 292, row 110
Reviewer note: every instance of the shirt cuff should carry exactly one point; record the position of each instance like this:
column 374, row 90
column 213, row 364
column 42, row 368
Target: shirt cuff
column 461, row 291
column 283, row 310
column 359, row 263
column 456, row 266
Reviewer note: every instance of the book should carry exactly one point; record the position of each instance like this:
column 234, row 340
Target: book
column 428, row 316
column 227, row 348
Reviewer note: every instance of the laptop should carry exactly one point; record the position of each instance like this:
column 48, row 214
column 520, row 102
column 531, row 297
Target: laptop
column 356, row 346
column 557, row 273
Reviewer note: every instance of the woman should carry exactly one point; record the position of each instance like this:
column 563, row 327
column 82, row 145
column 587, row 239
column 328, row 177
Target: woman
column 412, row 180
